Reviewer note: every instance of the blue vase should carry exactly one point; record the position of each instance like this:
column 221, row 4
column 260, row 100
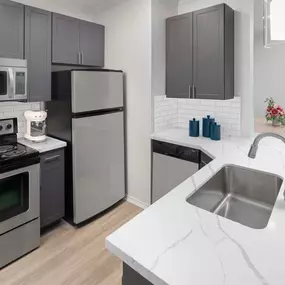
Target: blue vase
column 216, row 132
column 212, row 126
column 194, row 128
column 206, row 126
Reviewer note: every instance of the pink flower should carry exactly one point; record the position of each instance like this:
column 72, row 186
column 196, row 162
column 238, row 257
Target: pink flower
column 275, row 106
column 274, row 112
column 269, row 116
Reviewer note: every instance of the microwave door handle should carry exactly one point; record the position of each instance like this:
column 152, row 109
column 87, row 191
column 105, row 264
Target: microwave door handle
column 12, row 79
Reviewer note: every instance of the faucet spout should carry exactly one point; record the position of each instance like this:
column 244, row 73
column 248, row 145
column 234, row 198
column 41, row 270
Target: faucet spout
column 254, row 146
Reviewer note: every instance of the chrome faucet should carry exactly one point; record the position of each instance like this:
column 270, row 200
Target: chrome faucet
column 254, row 146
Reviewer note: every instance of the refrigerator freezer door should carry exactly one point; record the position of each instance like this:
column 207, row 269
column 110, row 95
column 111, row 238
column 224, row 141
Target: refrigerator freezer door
column 98, row 164
column 95, row 90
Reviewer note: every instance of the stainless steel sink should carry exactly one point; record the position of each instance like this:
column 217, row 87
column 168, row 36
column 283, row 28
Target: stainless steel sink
column 239, row 194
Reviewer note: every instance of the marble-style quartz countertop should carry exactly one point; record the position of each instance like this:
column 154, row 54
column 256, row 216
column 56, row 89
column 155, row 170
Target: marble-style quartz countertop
column 48, row 145
column 175, row 243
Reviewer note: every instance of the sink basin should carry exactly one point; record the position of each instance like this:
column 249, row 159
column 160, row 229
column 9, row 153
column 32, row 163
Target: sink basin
column 239, row 194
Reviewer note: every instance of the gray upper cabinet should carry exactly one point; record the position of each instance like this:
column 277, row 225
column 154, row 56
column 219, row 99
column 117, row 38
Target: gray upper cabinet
column 77, row 42
column 92, row 43
column 65, row 40
column 11, row 29
column 38, row 53
column 212, row 52
column 179, row 56
column 210, row 46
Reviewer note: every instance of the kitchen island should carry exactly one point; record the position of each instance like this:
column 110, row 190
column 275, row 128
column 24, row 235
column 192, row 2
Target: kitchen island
column 175, row 243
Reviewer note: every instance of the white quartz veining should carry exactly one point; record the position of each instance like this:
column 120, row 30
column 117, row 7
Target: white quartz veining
column 175, row 243
column 48, row 145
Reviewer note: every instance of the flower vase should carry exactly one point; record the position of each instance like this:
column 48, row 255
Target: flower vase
column 276, row 123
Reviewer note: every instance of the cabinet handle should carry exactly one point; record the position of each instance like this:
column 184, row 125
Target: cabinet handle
column 52, row 158
column 82, row 58
column 189, row 92
column 194, row 91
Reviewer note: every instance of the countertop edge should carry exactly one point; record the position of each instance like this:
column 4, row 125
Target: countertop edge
column 50, row 144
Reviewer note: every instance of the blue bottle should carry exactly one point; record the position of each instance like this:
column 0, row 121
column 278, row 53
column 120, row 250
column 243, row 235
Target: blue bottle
column 216, row 133
column 206, row 126
column 194, row 128
column 212, row 126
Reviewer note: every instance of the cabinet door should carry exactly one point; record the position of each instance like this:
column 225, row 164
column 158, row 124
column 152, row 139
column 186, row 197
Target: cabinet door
column 208, row 53
column 52, row 205
column 38, row 53
column 179, row 56
column 168, row 173
column 92, row 43
column 11, row 29
column 65, row 40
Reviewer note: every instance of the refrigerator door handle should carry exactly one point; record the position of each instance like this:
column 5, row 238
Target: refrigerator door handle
column 79, row 57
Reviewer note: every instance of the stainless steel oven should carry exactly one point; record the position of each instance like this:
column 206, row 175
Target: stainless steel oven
column 19, row 197
column 13, row 79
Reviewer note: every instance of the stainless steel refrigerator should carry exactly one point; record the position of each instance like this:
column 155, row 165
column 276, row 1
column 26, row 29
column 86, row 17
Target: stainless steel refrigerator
column 87, row 111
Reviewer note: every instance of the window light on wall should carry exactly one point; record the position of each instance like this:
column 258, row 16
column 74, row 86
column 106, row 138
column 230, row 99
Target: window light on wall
column 274, row 22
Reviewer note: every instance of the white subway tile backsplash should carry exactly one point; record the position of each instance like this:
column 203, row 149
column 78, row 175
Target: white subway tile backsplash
column 223, row 103
column 165, row 113
column 231, row 109
column 208, row 102
column 178, row 112
column 17, row 110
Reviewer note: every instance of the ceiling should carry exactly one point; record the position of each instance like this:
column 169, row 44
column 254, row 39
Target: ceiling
column 84, row 7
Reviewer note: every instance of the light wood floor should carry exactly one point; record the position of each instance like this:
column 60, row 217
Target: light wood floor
column 69, row 256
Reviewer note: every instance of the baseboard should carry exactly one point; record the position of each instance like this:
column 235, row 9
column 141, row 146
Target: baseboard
column 136, row 202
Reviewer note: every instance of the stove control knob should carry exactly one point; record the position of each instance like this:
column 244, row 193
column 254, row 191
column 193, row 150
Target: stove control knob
column 9, row 127
column 1, row 128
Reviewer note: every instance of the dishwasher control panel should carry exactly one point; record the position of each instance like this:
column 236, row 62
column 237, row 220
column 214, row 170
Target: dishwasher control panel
column 177, row 151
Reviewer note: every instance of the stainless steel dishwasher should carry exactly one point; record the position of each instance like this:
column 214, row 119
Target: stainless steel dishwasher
column 171, row 165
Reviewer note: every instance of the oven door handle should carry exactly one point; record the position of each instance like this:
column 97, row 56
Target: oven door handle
column 12, row 80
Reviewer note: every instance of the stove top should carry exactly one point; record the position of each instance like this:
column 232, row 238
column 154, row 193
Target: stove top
column 5, row 148
column 11, row 153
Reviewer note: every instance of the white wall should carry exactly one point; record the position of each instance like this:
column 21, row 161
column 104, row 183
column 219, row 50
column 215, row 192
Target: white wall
column 244, row 52
column 160, row 11
column 128, row 47
column 269, row 67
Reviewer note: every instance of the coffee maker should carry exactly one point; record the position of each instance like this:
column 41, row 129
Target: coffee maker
column 36, row 125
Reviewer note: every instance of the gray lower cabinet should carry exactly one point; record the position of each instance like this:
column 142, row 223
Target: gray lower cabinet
column 77, row 42
column 65, row 39
column 52, row 197
column 11, row 29
column 131, row 277
column 208, row 40
column 38, row 53
column 179, row 56
column 92, row 43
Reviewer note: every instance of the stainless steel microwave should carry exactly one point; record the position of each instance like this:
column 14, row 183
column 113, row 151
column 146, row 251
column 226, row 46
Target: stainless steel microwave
column 13, row 79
